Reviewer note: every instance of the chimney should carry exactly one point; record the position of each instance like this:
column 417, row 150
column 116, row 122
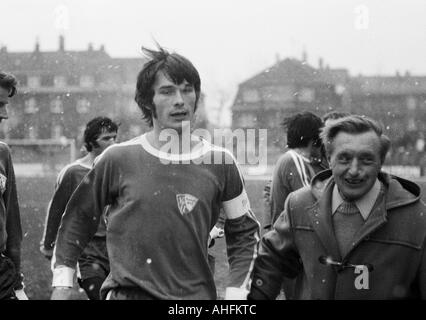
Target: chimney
column 397, row 74
column 37, row 46
column 320, row 63
column 90, row 47
column 61, row 43
column 304, row 56
column 3, row 49
column 277, row 57
column 102, row 48
column 407, row 74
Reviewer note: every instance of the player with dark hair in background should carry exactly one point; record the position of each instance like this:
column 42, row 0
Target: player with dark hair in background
column 93, row 264
column 11, row 280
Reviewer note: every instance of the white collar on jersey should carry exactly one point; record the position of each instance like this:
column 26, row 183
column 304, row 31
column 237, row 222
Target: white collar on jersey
column 202, row 148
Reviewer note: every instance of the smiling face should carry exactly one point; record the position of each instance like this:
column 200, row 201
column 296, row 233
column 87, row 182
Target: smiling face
column 355, row 162
column 173, row 103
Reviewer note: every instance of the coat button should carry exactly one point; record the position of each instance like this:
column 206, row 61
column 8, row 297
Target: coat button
column 259, row 282
column 323, row 280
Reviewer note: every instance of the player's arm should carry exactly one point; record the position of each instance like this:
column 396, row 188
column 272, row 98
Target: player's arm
column 241, row 234
column 278, row 257
column 63, row 190
column 80, row 222
column 279, row 191
column 13, row 223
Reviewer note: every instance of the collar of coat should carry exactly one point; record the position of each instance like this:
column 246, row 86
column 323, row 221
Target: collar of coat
column 399, row 193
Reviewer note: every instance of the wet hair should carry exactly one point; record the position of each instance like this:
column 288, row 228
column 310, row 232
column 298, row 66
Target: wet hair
column 94, row 128
column 302, row 128
column 354, row 124
column 176, row 67
column 8, row 82
column 334, row 115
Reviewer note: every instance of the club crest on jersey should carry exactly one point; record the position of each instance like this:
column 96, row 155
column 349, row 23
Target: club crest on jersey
column 186, row 203
column 3, row 181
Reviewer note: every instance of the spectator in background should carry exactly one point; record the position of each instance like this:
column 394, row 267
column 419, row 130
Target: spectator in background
column 11, row 279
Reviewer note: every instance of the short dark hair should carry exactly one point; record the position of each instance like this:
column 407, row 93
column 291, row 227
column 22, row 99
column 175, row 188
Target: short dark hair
column 175, row 66
column 8, row 82
column 334, row 115
column 354, row 124
column 302, row 128
column 94, row 128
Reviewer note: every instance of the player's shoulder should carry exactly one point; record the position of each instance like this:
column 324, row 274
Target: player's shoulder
column 121, row 150
column 72, row 169
column 286, row 159
column 4, row 148
column 219, row 153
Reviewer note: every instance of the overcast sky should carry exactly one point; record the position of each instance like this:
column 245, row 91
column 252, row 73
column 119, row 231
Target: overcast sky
column 231, row 40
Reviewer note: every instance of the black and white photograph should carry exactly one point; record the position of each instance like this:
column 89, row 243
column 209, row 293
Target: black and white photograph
column 210, row 151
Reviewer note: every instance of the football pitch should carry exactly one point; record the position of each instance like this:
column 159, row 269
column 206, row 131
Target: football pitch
column 34, row 195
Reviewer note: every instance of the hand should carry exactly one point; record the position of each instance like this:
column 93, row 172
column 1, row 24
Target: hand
column 48, row 253
column 62, row 293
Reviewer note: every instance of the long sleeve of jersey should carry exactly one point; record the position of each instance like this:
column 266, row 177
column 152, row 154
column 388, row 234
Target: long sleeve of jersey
column 241, row 233
column 64, row 188
column 13, row 219
column 81, row 218
column 278, row 257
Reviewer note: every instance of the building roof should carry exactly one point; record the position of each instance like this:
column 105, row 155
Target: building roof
column 388, row 85
column 288, row 71
column 66, row 62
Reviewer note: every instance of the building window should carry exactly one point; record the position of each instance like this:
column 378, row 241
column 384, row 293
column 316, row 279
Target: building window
column 411, row 126
column 59, row 81
column 33, row 82
column 32, row 133
column 83, row 105
column 277, row 93
column 56, row 106
column 87, row 81
column 306, row 95
column 56, row 132
column 250, row 95
column 411, row 103
column 246, row 121
column 31, row 105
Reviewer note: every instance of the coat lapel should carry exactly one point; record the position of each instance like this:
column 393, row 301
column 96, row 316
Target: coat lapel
column 377, row 218
column 320, row 215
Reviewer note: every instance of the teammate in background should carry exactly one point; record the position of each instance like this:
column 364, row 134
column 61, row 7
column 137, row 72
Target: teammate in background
column 165, row 191
column 93, row 264
column 293, row 169
column 11, row 284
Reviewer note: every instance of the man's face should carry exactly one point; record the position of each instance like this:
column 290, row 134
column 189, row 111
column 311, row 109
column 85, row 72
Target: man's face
column 174, row 103
column 4, row 100
column 104, row 141
column 355, row 162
